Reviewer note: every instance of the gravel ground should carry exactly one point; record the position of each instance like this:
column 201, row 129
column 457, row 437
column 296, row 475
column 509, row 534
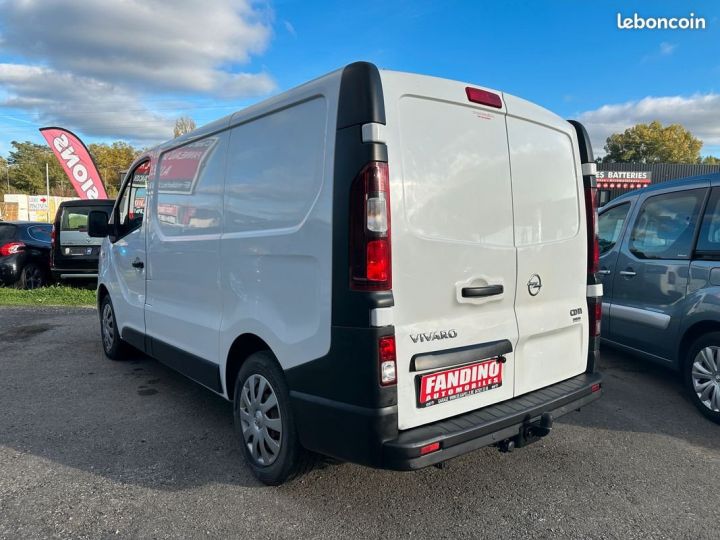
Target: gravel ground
column 91, row 448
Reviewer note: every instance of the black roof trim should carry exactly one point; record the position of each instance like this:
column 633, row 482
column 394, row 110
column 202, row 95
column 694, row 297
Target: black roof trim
column 88, row 202
column 361, row 96
column 586, row 152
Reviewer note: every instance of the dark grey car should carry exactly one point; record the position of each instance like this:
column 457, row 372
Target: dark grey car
column 660, row 267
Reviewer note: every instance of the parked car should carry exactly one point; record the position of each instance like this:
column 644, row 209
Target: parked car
column 74, row 254
column 368, row 267
column 24, row 254
column 660, row 267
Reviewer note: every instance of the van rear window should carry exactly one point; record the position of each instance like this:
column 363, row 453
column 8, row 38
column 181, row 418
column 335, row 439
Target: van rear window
column 76, row 219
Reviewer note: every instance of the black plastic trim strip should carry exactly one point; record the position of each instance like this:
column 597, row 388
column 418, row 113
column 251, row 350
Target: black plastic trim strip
column 585, row 147
column 459, row 356
column 198, row 369
column 135, row 338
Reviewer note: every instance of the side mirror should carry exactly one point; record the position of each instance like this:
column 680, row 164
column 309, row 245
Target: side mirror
column 98, row 224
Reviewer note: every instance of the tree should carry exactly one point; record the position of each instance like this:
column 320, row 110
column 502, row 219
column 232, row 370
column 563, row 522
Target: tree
column 27, row 168
column 183, row 125
column 653, row 143
column 112, row 160
column 710, row 160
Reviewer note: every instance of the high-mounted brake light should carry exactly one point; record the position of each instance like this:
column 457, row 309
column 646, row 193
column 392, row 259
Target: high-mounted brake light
column 483, row 97
column 11, row 248
column 370, row 229
column 388, row 367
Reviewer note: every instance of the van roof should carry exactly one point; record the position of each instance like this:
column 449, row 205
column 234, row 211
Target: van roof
column 688, row 182
column 87, row 202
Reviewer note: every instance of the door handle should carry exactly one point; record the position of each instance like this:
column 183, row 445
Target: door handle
column 604, row 272
column 481, row 292
column 137, row 263
column 628, row 273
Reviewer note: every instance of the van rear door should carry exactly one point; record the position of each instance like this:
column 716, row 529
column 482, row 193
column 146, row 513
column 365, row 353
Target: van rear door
column 454, row 262
column 549, row 212
column 74, row 245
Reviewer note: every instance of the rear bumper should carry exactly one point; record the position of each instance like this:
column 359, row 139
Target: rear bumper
column 74, row 273
column 370, row 436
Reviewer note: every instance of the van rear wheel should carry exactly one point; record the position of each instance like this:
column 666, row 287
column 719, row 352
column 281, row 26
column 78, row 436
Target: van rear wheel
column 264, row 422
column 702, row 375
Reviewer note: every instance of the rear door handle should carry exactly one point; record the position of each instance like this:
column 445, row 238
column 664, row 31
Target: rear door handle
column 137, row 263
column 628, row 273
column 481, row 292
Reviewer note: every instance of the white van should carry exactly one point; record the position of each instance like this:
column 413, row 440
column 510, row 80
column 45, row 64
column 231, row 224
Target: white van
column 385, row 268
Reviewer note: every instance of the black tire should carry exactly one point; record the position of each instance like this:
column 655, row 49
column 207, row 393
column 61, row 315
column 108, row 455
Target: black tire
column 114, row 347
column 291, row 460
column 32, row 277
column 711, row 339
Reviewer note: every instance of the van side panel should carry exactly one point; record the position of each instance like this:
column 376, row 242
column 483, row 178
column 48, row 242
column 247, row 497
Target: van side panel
column 551, row 244
column 275, row 260
column 184, row 302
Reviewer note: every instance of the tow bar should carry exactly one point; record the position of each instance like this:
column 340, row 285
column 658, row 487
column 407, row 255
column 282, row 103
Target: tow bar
column 529, row 433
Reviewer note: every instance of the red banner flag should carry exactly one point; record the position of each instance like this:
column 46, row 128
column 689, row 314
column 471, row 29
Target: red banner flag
column 76, row 161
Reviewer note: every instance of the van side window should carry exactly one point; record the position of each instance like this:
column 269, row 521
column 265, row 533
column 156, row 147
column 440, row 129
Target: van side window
column 708, row 244
column 190, row 186
column 665, row 226
column 131, row 205
column 610, row 225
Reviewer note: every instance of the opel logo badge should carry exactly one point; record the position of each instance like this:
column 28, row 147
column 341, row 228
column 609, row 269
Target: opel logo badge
column 534, row 285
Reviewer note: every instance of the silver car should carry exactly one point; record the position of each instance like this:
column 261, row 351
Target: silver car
column 660, row 268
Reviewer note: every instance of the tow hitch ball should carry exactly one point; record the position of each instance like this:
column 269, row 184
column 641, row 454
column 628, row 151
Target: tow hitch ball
column 529, row 433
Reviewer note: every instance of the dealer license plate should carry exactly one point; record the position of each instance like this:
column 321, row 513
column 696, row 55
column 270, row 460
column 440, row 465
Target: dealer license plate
column 460, row 382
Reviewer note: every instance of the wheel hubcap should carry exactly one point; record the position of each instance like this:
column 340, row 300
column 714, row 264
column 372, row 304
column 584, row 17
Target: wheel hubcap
column 706, row 377
column 33, row 278
column 260, row 420
column 108, row 328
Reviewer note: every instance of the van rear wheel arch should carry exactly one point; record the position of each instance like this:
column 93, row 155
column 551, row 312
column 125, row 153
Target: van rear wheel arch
column 242, row 348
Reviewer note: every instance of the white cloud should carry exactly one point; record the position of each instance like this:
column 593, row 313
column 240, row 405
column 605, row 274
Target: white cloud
column 183, row 45
column 667, row 48
column 80, row 103
column 699, row 113
column 100, row 67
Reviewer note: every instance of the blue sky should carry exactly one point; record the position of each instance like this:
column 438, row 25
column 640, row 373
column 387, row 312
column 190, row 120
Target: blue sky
column 568, row 56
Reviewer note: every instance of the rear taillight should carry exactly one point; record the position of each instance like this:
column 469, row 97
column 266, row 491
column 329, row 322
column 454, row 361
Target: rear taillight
column 593, row 263
column 52, row 234
column 11, row 248
column 388, row 367
column 370, row 253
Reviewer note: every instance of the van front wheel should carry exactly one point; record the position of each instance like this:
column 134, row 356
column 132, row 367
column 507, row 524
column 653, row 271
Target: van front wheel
column 113, row 346
column 702, row 375
column 264, row 421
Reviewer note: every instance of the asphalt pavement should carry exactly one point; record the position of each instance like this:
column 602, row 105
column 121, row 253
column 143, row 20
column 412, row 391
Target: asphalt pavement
column 91, row 448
